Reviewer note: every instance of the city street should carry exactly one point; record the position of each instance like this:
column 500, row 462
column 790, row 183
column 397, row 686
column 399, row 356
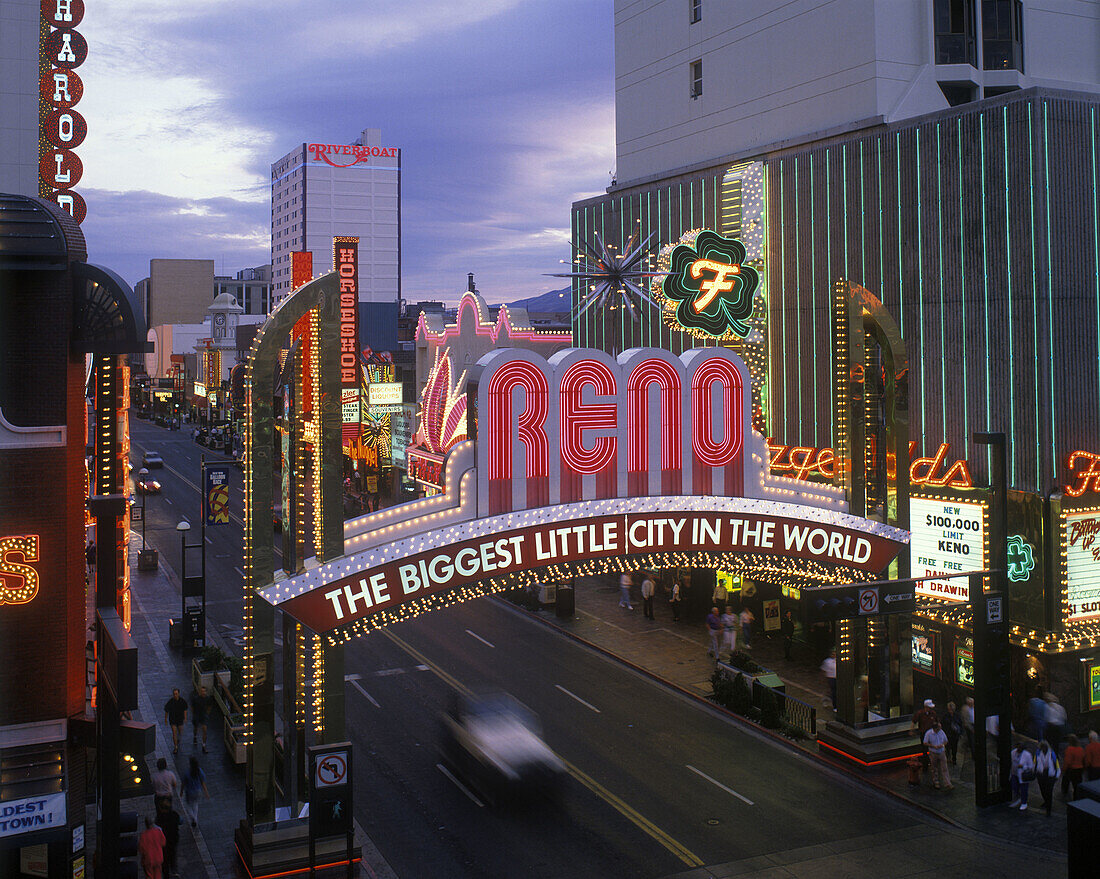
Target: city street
column 659, row 782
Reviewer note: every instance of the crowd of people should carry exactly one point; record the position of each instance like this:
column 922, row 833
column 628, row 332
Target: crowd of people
column 159, row 842
column 1047, row 754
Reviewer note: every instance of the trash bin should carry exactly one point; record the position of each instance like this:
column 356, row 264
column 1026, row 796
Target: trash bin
column 565, row 605
column 175, row 632
column 913, row 765
column 147, row 560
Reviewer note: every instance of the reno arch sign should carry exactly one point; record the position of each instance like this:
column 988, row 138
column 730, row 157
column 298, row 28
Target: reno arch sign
column 585, row 457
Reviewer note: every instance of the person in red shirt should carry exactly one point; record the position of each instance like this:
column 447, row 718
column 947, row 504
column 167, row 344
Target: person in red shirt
column 922, row 722
column 151, row 849
column 1092, row 756
column 1073, row 765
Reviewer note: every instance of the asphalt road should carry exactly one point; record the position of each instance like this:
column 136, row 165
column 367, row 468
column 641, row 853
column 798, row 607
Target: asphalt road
column 659, row 784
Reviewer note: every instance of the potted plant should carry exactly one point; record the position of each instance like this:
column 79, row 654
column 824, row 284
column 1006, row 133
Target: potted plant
column 208, row 666
column 229, row 688
column 233, row 735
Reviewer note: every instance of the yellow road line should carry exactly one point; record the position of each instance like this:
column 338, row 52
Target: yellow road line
column 627, row 811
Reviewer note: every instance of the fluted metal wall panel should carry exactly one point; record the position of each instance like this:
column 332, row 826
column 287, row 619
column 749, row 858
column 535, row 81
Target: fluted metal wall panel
column 978, row 229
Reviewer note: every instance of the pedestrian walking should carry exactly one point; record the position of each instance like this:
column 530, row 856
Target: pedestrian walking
column 786, row 629
column 967, row 718
column 746, row 626
column 828, row 667
column 168, row 820
column 175, row 715
column 1037, row 716
column 922, row 721
column 1047, row 771
column 648, row 590
column 165, row 783
column 625, row 582
column 151, row 849
column 1025, row 774
column 935, row 743
column 89, row 554
column 952, row 727
column 200, row 716
column 720, row 596
column 1092, row 756
column 1056, row 721
column 729, row 631
column 714, row 630
column 1073, row 766
column 194, row 785
column 674, row 598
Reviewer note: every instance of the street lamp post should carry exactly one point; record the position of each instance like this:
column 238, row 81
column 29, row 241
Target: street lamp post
column 194, row 587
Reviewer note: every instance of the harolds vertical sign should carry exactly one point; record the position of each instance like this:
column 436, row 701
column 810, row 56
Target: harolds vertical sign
column 345, row 260
column 61, row 128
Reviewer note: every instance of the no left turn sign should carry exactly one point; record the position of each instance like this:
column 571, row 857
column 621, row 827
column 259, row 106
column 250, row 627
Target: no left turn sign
column 868, row 601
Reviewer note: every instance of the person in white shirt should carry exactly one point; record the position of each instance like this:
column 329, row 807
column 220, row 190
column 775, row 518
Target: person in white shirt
column 935, row 740
column 648, row 588
column 1047, row 771
column 1023, row 771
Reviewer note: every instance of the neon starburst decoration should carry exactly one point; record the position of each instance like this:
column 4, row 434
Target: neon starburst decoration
column 613, row 279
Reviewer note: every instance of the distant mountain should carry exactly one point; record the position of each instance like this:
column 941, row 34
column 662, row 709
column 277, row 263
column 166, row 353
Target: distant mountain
column 550, row 302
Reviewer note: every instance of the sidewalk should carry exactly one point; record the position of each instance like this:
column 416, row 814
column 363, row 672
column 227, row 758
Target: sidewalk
column 676, row 653
column 206, row 850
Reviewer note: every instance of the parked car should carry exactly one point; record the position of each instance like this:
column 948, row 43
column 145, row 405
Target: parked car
column 147, row 486
column 151, row 460
column 494, row 743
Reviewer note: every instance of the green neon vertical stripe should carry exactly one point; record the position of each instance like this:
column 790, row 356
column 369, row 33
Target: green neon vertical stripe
column 1034, row 289
column 901, row 263
column 1096, row 242
column 943, row 315
column 813, row 289
column 1050, row 289
column 920, row 298
column 985, row 275
column 797, row 295
column 962, row 284
column 1008, row 269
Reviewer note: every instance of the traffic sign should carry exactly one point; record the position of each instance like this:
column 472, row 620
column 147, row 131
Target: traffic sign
column 868, row 601
column 330, row 795
column 994, row 609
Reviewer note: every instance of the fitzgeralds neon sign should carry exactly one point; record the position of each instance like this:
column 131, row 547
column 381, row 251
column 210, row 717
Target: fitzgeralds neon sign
column 804, row 462
column 18, row 577
column 1084, row 467
column 709, row 290
column 584, row 423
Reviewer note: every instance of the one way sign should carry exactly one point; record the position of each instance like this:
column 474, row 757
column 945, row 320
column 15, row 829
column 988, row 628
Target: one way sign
column 898, row 602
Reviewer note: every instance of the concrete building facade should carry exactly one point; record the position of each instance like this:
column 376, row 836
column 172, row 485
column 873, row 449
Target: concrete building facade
column 319, row 191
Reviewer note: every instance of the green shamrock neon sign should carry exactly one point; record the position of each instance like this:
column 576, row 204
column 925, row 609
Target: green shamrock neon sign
column 709, row 287
column 1021, row 558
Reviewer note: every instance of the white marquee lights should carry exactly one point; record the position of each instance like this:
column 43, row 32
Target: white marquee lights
column 589, row 461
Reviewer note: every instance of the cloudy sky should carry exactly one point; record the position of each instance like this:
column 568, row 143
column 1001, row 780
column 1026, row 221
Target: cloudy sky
column 503, row 110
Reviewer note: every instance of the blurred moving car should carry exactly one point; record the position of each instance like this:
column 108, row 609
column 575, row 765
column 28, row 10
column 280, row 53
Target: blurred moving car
column 152, row 459
column 147, row 486
column 494, row 743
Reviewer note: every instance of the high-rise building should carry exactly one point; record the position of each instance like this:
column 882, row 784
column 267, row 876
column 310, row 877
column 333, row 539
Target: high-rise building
column 320, row 191
column 19, row 23
column 698, row 82
column 250, row 287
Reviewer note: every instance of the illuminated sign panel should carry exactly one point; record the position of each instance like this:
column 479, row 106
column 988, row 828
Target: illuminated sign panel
column 345, row 259
column 301, row 268
column 924, row 649
column 18, row 576
column 964, row 663
column 805, row 462
column 345, row 155
column 61, row 127
column 1084, row 470
column 948, row 537
column 200, row 389
column 574, row 538
column 578, row 425
column 709, row 289
column 1082, row 559
column 384, row 393
column 1094, row 687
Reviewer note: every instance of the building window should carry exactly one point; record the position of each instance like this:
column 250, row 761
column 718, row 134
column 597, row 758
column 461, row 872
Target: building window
column 954, row 22
column 696, row 78
column 696, row 10
column 1002, row 35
